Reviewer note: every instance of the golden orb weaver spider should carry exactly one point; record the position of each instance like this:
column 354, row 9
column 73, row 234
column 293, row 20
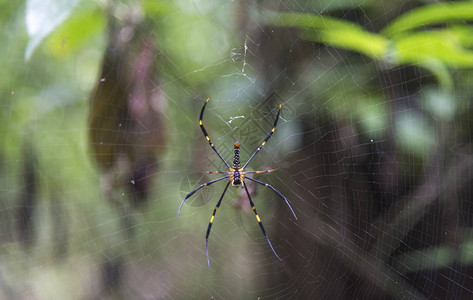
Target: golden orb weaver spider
column 236, row 177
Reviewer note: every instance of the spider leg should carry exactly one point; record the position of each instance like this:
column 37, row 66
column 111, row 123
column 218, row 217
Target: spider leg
column 276, row 191
column 201, row 124
column 211, row 221
column 200, row 186
column 267, row 137
column 218, row 172
column 259, row 220
column 259, row 172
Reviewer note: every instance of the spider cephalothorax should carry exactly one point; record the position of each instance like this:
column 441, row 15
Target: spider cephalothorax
column 236, row 176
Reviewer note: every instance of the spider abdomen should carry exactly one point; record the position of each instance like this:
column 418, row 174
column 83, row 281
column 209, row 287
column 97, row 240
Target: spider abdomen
column 236, row 156
column 236, row 178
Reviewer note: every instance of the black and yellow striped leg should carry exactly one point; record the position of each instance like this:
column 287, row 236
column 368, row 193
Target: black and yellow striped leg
column 259, row 172
column 218, row 172
column 267, row 137
column 211, row 222
column 276, row 191
column 200, row 186
column 201, row 124
column 259, row 220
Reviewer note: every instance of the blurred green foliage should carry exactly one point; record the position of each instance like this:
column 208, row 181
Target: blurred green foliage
column 51, row 59
column 397, row 43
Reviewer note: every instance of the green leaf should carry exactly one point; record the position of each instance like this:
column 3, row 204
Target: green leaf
column 370, row 44
column 440, row 71
column 443, row 12
column 434, row 258
column 157, row 8
column 332, row 32
column 444, row 45
column 466, row 256
column 79, row 30
column 371, row 112
column 463, row 33
column 414, row 135
column 42, row 17
column 441, row 104
column 305, row 21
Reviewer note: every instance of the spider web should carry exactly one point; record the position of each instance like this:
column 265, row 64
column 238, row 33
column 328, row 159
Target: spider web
column 374, row 158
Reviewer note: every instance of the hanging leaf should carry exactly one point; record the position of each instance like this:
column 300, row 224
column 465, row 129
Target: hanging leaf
column 125, row 118
column 42, row 17
column 444, row 12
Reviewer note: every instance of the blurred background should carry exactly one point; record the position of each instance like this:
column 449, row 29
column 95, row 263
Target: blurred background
column 100, row 142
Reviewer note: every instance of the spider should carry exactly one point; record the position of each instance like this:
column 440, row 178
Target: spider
column 236, row 176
